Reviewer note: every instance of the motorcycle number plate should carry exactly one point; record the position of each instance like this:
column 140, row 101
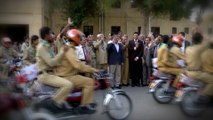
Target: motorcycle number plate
column 179, row 93
column 152, row 85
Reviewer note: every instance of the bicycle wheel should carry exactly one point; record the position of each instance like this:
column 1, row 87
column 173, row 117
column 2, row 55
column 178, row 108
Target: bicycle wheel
column 119, row 107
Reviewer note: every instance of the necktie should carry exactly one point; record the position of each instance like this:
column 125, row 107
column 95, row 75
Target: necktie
column 102, row 46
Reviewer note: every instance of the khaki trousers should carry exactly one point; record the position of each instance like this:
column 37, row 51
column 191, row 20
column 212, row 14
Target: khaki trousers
column 88, row 87
column 4, row 71
column 207, row 78
column 173, row 71
column 125, row 72
column 65, row 86
column 115, row 70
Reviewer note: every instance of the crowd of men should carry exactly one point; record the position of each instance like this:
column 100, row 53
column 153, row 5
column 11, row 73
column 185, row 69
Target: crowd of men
column 128, row 60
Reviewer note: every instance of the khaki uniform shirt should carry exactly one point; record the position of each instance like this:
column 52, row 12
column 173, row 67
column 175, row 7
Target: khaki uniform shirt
column 7, row 54
column 71, row 65
column 193, row 61
column 29, row 55
column 101, row 52
column 168, row 58
column 45, row 56
column 207, row 60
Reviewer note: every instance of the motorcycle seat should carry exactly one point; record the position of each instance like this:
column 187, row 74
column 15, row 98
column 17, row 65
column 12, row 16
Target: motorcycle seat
column 47, row 88
column 165, row 76
column 191, row 82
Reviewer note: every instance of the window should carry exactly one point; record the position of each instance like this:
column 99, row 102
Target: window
column 139, row 30
column 115, row 29
column 174, row 30
column 155, row 30
column 186, row 30
column 133, row 4
column 116, row 4
column 88, row 30
column 210, row 31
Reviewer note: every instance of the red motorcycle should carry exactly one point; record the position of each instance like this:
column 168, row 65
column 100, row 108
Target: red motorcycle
column 117, row 104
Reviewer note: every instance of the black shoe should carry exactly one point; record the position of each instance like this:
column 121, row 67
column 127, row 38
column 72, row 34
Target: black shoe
column 133, row 85
column 118, row 87
column 145, row 85
column 125, row 84
column 86, row 110
column 93, row 105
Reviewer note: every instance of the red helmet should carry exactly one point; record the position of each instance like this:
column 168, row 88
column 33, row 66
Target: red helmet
column 177, row 39
column 75, row 35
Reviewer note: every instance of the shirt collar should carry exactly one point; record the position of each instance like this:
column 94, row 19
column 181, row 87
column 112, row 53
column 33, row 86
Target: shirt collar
column 44, row 42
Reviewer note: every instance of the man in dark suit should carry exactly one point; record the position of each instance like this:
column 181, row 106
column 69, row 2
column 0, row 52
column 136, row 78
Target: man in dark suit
column 115, row 60
column 135, row 60
column 157, row 45
column 186, row 43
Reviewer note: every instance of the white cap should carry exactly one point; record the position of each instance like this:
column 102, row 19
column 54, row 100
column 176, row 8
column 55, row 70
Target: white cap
column 6, row 39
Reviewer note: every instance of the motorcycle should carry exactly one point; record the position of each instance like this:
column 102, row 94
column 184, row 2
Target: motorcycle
column 117, row 104
column 13, row 101
column 161, row 88
column 161, row 85
column 189, row 91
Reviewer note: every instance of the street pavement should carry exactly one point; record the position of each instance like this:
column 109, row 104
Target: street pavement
column 146, row 108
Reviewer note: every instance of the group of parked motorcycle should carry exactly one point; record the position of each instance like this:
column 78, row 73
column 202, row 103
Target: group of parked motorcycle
column 185, row 93
column 31, row 98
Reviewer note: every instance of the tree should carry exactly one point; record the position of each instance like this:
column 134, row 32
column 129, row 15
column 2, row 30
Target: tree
column 175, row 8
column 80, row 10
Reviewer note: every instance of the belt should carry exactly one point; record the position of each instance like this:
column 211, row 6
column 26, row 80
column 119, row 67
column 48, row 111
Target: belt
column 47, row 71
column 83, row 60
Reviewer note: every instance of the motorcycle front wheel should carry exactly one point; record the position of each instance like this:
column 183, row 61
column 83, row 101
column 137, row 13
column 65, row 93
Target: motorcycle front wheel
column 119, row 107
column 188, row 106
column 161, row 96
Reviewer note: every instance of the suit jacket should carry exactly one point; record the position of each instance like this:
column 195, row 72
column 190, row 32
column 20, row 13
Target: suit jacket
column 135, row 53
column 114, row 56
column 154, row 50
column 187, row 43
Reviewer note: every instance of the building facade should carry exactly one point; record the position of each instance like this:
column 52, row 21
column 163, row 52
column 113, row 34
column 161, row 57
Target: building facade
column 23, row 17
column 26, row 17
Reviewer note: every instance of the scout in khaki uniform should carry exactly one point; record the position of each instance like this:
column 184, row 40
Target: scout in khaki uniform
column 29, row 55
column 125, row 67
column 47, row 61
column 201, row 68
column 167, row 60
column 71, row 73
column 100, row 45
column 91, row 51
column 7, row 53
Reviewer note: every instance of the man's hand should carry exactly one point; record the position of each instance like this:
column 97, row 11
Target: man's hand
column 66, row 48
column 143, row 61
column 136, row 58
column 97, row 71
